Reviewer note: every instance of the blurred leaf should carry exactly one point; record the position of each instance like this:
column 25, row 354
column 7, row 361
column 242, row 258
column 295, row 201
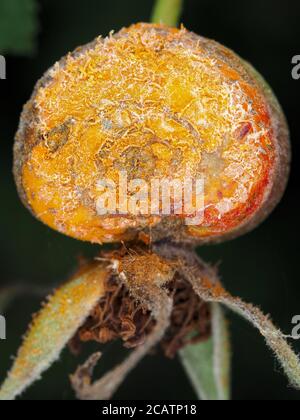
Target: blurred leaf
column 6, row 297
column 221, row 352
column 167, row 12
column 9, row 294
column 18, row 26
column 52, row 328
column 208, row 364
column 197, row 360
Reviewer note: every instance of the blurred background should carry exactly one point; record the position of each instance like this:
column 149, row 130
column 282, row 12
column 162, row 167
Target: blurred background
column 262, row 267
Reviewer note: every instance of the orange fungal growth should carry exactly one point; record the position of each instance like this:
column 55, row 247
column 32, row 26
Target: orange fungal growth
column 147, row 104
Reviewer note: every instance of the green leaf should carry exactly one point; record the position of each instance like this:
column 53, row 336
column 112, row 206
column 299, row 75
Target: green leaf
column 208, row 364
column 18, row 26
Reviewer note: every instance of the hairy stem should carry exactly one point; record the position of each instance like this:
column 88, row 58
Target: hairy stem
column 206, row 284
column 167, row 12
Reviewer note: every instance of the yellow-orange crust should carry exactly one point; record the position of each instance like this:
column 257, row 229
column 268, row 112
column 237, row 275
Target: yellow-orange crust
column 156, row 102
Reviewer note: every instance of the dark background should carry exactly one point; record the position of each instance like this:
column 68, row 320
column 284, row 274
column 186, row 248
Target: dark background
column 262, row 267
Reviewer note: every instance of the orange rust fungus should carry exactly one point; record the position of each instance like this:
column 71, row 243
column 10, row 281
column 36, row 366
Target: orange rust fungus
column 156, row 102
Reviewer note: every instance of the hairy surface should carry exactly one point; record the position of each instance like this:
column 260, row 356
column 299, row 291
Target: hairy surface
column 158, row 103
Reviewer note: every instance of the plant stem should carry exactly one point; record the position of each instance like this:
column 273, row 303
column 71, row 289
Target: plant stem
column 167, row 12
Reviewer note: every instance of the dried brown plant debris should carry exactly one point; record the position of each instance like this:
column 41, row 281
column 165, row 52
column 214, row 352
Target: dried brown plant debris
column 119, row 316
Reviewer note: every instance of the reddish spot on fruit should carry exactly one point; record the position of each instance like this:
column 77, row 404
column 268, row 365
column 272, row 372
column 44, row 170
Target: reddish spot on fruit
column 243, row 130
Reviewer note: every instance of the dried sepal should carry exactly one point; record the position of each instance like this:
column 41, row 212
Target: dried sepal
column 275, row 339
column 207, row 285
column 208, row 364
column 150, row 278
column 81, row 380
column 104, row 388
column 146, row 286
column 53, row 327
